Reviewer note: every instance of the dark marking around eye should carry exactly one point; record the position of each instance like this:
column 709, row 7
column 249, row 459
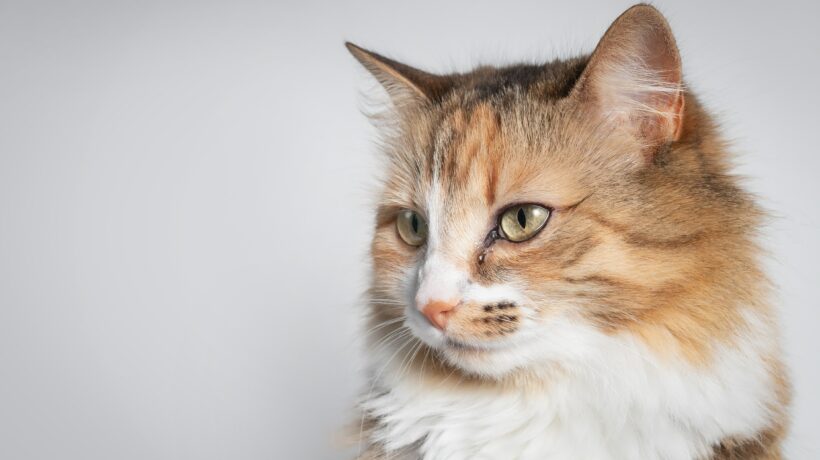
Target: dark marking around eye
column 414, row 221
column 522, row 218
column 488, row 241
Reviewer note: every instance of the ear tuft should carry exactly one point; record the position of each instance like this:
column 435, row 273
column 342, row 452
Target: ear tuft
column 634, row 77
column 401, row 81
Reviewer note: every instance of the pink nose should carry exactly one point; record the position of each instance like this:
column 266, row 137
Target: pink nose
column 438, row 311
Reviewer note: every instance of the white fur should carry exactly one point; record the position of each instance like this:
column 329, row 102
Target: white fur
column 606, row 397
column 439, row 280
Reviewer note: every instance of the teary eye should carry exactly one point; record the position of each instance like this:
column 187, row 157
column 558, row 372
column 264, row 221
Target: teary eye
column 522, row 222
column 412, row 228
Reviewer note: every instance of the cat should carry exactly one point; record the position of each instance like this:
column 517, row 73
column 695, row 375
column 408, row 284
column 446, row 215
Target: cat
column 564, row 267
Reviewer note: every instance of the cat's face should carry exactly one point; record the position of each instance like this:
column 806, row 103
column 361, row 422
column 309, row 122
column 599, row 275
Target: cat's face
column 487, row 235
column 527, row 205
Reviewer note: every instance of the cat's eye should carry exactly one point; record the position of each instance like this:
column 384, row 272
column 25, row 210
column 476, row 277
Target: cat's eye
column 412, row 228
column 522, row 222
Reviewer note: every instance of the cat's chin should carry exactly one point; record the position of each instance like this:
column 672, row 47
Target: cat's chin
column 491, row 363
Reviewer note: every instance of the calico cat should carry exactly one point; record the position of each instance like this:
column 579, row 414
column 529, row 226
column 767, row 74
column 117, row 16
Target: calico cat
column 564, row 267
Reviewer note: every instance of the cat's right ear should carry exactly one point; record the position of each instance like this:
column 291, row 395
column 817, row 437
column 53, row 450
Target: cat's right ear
column 634, row 77
column 403, row 83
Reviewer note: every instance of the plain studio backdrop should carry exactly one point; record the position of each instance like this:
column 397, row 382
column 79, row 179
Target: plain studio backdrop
column 185, row 193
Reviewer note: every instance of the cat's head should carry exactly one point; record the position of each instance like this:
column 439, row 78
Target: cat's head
column 527, row 204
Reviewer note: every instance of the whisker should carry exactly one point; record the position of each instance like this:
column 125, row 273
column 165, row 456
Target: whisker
column 390, row 338
column 412, row 355
column 373, row 386
column 383, row 324
column 423, row 362
column 386, row 300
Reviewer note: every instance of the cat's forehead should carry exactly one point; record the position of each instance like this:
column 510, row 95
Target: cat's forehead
column 489, row 153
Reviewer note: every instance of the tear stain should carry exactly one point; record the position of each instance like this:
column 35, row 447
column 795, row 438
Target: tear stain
column 488, row 243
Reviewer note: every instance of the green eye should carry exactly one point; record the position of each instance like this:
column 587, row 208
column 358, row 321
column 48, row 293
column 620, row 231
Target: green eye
column 522, row 222
column 412, row 228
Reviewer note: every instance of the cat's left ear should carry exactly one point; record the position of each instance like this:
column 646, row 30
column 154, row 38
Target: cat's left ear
column 404, row 84
column 634, row 78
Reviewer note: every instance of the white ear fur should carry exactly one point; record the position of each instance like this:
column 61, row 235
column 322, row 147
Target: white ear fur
column 632, row 87
column 634, row 77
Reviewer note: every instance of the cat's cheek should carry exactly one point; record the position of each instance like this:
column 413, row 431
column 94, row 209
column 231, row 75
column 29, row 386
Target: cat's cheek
column 395, row 264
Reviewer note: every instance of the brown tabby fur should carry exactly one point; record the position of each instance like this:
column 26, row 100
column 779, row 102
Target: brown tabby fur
column 671, row 222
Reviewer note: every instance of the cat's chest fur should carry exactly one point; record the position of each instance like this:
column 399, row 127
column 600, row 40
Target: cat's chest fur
column 625, row 404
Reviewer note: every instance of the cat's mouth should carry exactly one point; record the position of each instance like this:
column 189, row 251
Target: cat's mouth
column 458, row 345
column 487, row 359
column 475, row 348
column 454, row 341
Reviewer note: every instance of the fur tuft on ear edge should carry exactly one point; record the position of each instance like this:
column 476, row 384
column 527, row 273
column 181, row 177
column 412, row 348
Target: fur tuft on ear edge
column 634, row 77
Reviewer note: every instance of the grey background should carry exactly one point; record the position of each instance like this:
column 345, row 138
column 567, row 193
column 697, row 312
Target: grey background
column 185, row 190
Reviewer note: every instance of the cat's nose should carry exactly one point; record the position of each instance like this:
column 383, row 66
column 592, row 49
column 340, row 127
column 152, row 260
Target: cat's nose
column 438, row 312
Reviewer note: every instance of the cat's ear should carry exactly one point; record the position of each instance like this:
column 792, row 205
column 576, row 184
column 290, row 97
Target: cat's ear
column 403, row 83
column 634, row 77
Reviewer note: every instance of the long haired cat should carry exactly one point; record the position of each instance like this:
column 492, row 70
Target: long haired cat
column 564, row 267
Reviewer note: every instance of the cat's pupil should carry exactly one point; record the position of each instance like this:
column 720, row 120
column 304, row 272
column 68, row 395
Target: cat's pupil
column 414, row 222
column 522, row 218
